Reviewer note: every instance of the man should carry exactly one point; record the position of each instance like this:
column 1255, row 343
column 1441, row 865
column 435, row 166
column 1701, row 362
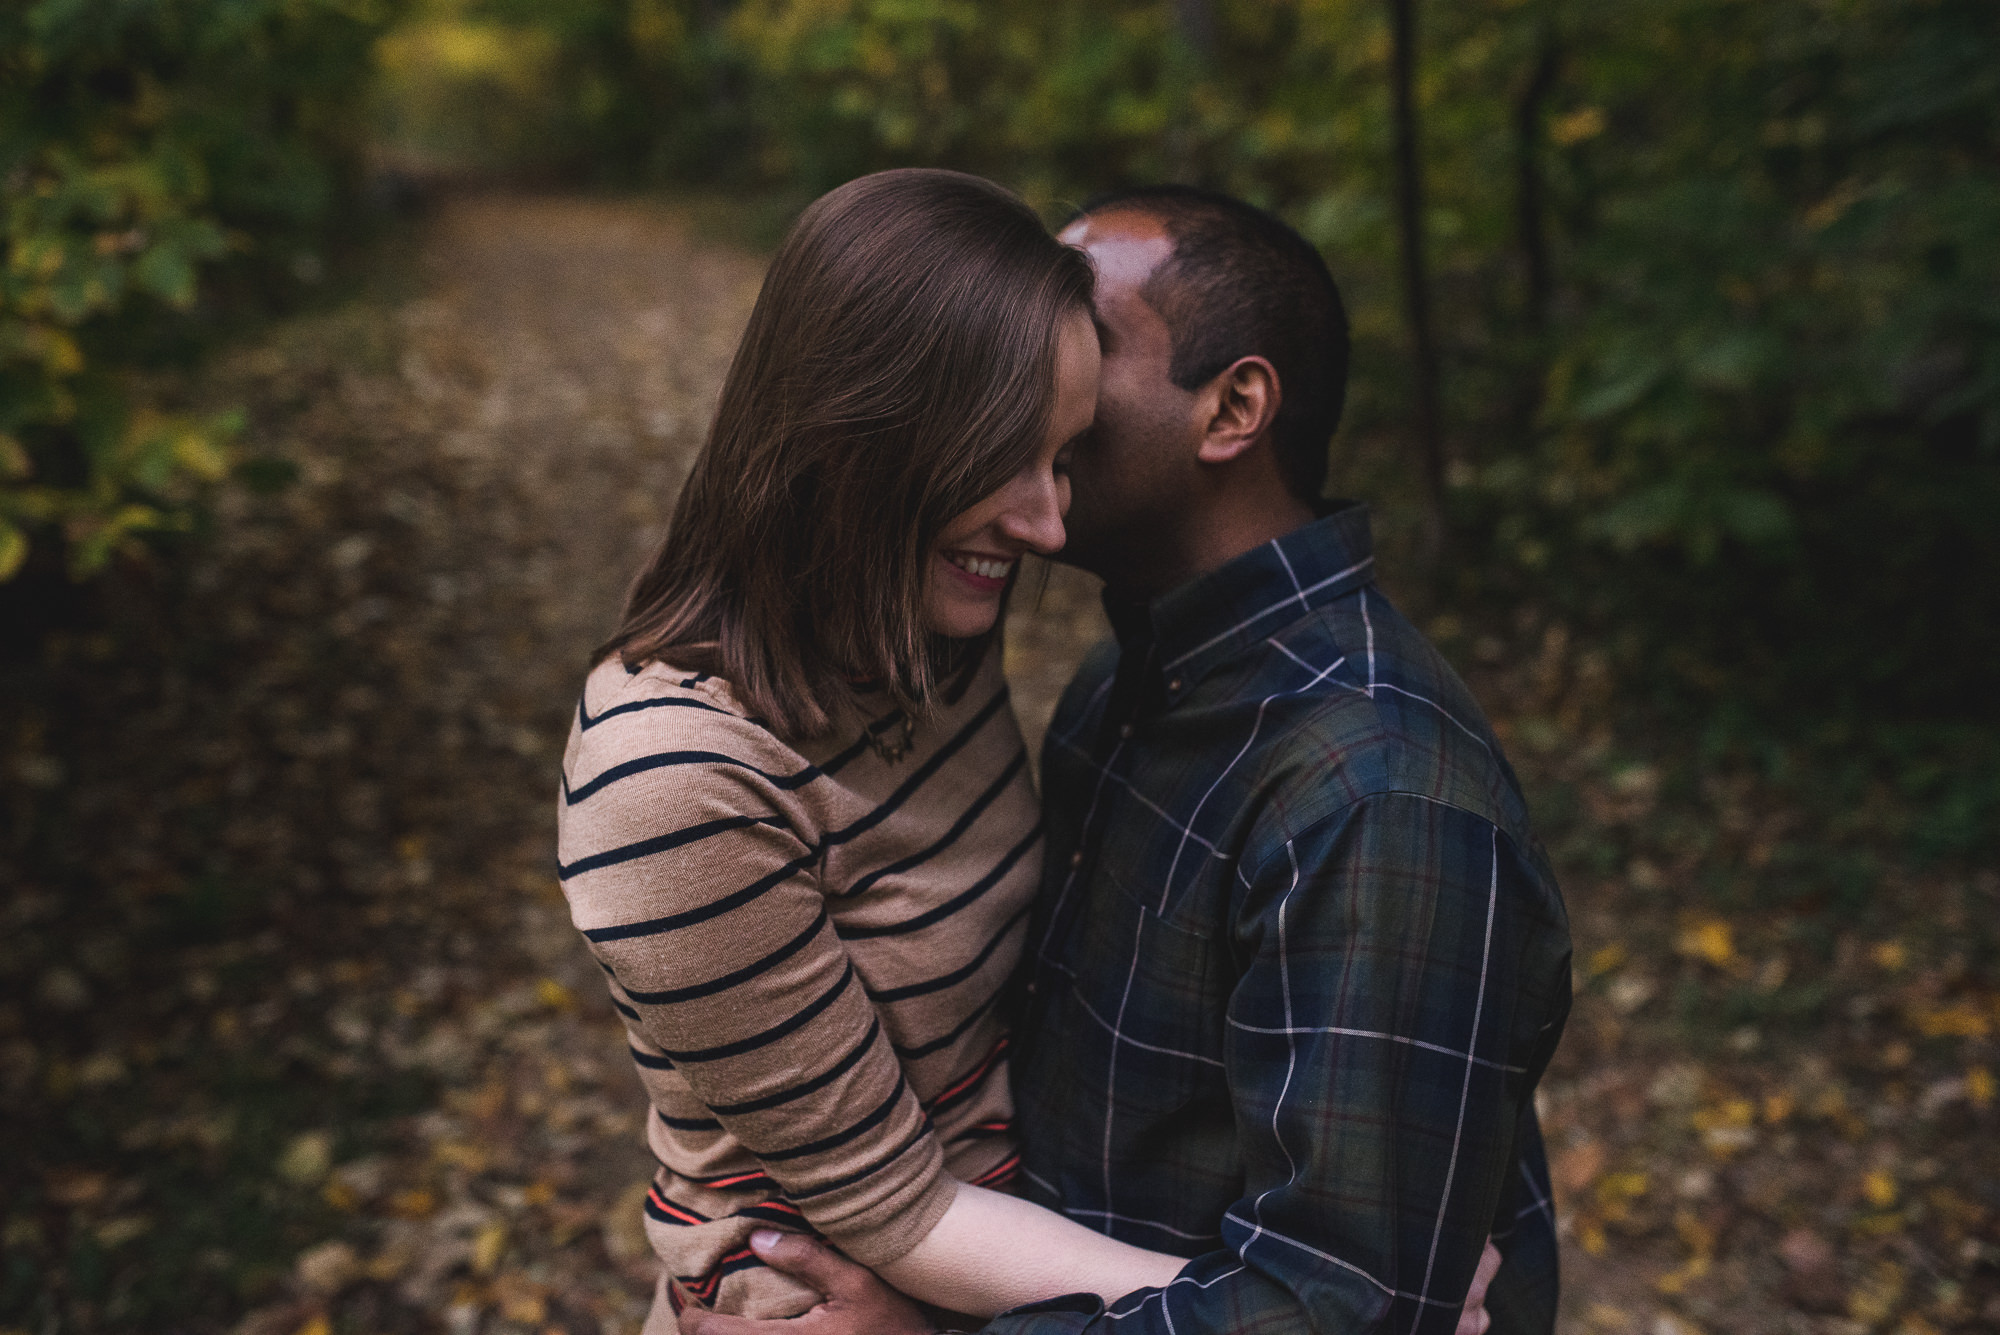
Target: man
column 1299, row 962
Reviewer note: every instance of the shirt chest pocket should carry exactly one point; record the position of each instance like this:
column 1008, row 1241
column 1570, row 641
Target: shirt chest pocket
column 1157, row 1005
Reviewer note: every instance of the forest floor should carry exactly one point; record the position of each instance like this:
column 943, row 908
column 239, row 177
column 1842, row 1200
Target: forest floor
column 296, row 1038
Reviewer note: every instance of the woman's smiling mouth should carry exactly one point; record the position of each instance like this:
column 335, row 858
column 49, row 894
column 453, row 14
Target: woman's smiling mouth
column 985, row 572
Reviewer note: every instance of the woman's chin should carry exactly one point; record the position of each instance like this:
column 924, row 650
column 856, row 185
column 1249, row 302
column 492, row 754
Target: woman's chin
column 962, row 622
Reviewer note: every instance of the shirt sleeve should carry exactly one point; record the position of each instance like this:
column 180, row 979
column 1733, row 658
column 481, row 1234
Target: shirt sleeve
column 1404, row 975
column 699, row 897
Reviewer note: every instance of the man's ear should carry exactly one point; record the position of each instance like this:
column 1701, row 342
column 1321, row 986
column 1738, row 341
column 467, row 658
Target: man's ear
column 1241, row 403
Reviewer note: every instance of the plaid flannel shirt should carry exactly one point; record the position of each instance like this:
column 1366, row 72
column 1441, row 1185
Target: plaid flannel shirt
column 1297, row 966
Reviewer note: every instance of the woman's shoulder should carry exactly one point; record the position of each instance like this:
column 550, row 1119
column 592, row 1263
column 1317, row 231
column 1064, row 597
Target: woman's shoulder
column 660, row 707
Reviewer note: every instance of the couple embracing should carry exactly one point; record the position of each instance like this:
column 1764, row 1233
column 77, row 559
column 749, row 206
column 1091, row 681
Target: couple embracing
column 1237, row 1026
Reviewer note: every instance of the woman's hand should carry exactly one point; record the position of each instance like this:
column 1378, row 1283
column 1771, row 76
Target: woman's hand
column 854, row 1301
column 1474, row 1319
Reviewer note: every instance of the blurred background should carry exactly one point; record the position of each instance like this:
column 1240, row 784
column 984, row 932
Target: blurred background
column 351, row 352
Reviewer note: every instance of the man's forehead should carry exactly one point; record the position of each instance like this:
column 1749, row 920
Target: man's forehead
column 1124, row 244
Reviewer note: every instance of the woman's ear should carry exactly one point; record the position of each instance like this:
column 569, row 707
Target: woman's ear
column 1241, row 401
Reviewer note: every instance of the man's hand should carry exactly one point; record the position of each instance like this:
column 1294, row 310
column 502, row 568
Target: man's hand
column 853, row 1300
column 1474, row 1320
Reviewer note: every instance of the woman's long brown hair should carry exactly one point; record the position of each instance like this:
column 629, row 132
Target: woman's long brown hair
column 899, row 365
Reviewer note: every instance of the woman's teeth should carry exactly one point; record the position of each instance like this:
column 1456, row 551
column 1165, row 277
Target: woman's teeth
column 980, row 566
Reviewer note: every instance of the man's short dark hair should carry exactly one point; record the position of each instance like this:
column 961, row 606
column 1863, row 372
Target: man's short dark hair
column 1241, row 283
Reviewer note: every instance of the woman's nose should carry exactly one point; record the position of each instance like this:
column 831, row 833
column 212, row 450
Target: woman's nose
column 1035, row 520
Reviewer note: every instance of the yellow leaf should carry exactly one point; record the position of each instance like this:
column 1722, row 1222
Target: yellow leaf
column 486, row 1251
column 315, row 1325
column 1731, row 1112
column 60, row 354
column 1880, row 1189
column 14, row 461
column 413, row 1204
column 308, row 1159
column 1889, row 955
column 461, row 1153
column 1979, row 1086
column 1677, row 1281
column 1698, row 1237
column 1616, row 1191
column 1876, row 1297
column 1591, row 1238
column 201, row 454
column 13, row 550
column 1576, row 126
column 1882, row 1225
column 1961, row 1019
column 1606, row 958
column 1778, row 1106
column 554, row 995
column 1709, row 939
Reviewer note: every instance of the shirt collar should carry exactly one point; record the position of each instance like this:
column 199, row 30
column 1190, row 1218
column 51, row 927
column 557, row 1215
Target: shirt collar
column 1195, row 627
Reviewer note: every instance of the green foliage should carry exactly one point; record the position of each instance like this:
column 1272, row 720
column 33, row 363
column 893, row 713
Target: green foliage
column 144, row 145
column 1720, row 308
column 1716, row 294
column 1714, row 282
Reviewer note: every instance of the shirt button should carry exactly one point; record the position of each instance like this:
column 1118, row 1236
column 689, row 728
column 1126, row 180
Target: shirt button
column 1174, row 685
column 1124, row 730
column 1076, row 858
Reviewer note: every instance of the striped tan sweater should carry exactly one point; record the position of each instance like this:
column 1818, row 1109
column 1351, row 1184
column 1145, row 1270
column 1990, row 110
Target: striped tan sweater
column 807, row 942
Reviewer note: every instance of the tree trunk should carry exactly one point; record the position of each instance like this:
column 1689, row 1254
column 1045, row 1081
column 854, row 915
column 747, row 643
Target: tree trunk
column 1416, row 275
column 1529, row 203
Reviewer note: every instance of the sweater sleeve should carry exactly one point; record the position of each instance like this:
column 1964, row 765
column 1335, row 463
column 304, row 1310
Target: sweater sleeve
column 688, row 872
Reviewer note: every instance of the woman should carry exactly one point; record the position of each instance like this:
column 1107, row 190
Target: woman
column 796, row 825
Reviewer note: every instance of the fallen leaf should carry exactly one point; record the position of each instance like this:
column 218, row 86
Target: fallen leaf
column 115, row 1233
column 1578, row 1166
column 308, row 1159
column 1961, row 1019
column 1708, row 939
column 327, row 1268
column 1606, row 958
column 74, row 1186
column 486, row 1249
column 624, row 1225
column 416, row 1203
